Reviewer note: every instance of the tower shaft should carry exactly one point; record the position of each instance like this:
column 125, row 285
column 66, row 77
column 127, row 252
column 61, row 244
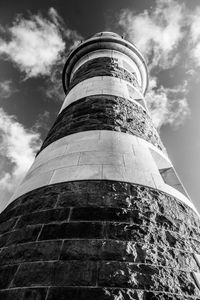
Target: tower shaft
column 101, row 213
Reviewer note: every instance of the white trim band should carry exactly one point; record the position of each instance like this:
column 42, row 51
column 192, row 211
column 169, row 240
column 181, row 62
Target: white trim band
column 99, row 155
column 104, row 85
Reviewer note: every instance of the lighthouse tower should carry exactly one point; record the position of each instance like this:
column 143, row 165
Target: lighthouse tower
column 101, row 214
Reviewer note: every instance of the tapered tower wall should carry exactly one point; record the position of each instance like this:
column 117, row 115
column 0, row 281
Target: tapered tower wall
column 101, row 213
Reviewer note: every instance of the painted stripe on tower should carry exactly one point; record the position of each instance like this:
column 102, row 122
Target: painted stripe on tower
column 98, row 112
column 106, row 156
column 102, row 85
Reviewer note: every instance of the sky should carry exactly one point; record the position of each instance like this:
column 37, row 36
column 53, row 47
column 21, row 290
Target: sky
column 35, row 39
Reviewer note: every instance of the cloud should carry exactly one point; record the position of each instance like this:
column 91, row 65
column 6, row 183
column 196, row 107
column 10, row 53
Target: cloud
column 42, row 122
column 35, row 44
column 18, row 148
column 167, row 105
column 54, row 89
column 156, row 32
column 6, row 89
column 194, row 39
column 38, row 46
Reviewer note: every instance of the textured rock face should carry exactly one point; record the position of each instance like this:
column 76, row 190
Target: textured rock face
column 104, row 112
column 98, row 240
column 103, row 66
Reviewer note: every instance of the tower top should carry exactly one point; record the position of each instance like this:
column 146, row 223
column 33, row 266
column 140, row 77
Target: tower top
column 107, row 33
column 106, row 40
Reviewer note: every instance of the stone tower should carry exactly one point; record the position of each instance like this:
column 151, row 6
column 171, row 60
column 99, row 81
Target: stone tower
column 101, row 214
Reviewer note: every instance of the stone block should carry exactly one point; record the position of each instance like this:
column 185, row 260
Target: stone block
column 72, row 230
column 7, row 225
column 114, row 173
column 165, row 296
column 55, row 163
column 97, row 157
column 35, row 200
column 100, row 214
column 47, row 154
column 73, row 199
column 83, row 172
column 24, row 294
column 35, row 251
column 75, row 273
column 28, row 234
column 6, row 275
column 43, row 217
column 34, row 274
column 86, row 144
column 147, row 277
column 93, row 250
column 151, row 234
column 83, row 293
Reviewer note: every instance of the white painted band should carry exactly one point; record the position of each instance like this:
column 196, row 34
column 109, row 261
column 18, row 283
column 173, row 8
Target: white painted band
column 99, row 155
column 104, row 85
column 124, row 61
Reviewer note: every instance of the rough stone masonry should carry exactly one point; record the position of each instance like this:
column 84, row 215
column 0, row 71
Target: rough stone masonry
column 101, row 214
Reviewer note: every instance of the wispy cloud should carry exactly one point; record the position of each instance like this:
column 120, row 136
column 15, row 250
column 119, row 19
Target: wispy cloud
column 156, row 32
column 54, row 88
column 18, row 148
column 37, row 46
column 6, row 89
column 42, row 122
column 194, row 39
column 167, row 105
column 34, row 44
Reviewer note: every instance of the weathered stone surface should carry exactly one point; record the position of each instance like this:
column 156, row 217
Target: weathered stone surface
column 34, row 274
column 103, row 66
column 104, row 112
column 94, row 293
column 101, row 214
column 93, row 250
column 24, row 294
column 146, row 277
column 6, row 275
column 128, row 251
column 36, row 200
column 27, row 234
column 114, row 235
column 76, row 293
column 59, row 273
column 72, row 230
column 145, row 204
column 34, row 251
column 75, row 273
column 167, row 296
column 43, row 217
column 7, row 225
column 152, row 235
